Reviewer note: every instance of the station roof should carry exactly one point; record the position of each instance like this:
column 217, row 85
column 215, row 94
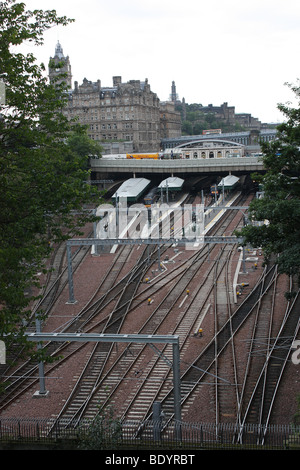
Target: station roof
column 132, row 188
column 173, row 183
column 228, row 182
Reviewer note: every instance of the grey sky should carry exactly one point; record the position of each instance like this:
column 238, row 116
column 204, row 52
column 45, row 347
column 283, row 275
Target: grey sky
column 240, row 52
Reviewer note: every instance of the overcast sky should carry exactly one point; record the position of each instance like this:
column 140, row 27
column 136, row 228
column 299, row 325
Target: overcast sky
column 236, row 51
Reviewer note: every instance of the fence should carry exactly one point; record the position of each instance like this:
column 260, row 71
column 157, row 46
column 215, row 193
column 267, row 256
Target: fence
column 148, row 435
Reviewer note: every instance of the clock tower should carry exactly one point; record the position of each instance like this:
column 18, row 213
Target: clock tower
column 58, row 65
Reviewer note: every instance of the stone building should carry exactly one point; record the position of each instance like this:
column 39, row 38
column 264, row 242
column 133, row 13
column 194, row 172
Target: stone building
column 126, row 117
column 170, row 120
column 223, row 112
column 247, row 121
column 229, row 116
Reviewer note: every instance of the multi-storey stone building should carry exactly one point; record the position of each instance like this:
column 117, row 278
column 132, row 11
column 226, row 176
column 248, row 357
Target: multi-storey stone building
column 170, row 120
column 129, row 114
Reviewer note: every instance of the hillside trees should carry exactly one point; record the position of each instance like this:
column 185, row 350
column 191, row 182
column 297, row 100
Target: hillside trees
column 42, row 175
column 196, row 120
column 280, row 205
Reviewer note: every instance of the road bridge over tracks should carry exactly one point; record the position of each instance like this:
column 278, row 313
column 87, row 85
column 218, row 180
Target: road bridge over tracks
column 212, row 166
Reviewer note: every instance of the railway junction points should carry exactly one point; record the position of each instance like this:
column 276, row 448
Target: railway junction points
column 228, row 310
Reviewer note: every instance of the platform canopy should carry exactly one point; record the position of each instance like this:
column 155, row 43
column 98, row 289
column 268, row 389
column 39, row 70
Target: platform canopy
column 229, row 182
column 172, row 183
column 132, row 189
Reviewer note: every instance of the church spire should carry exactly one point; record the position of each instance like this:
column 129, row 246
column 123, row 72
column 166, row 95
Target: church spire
column 59, row 51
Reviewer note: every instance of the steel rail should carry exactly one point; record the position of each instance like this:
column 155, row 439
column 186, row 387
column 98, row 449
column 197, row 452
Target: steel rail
column 189, row 375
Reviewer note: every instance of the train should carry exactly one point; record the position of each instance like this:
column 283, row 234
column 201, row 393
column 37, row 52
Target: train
column 214, row 189
column 151, row 197
column 141, row 156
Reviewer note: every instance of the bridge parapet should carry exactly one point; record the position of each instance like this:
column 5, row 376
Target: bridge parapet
column 213, row 165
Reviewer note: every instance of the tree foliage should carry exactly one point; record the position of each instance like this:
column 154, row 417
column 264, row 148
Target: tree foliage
column 196, row 120
column 105, row 431
column 80, row 143
column 42, row 175
column 280, row 205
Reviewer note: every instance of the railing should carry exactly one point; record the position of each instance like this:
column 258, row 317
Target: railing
column 123, row 435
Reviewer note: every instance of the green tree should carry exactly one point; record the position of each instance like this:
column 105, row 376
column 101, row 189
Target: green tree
column 280, row 204
column 81, row 144
column 104, row 432
column 187, row 128
column 42, row 176
column 195, row 121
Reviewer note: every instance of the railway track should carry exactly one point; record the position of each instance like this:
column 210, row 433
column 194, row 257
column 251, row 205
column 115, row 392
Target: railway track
column 16, row 378
column 129, row 367
column 19, row 379
column 57, row 279
column 272, row 356
column 203, row 367
column 32, row 370
column 146, row 374
column 260, row 331
column 267, row 383
column 78, row 400
column 151, row 326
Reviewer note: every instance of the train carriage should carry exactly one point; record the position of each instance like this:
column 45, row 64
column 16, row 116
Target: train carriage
column 151, row 197
column 141, row 156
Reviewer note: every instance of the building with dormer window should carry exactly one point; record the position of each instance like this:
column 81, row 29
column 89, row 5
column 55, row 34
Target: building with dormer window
column 126, row 117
